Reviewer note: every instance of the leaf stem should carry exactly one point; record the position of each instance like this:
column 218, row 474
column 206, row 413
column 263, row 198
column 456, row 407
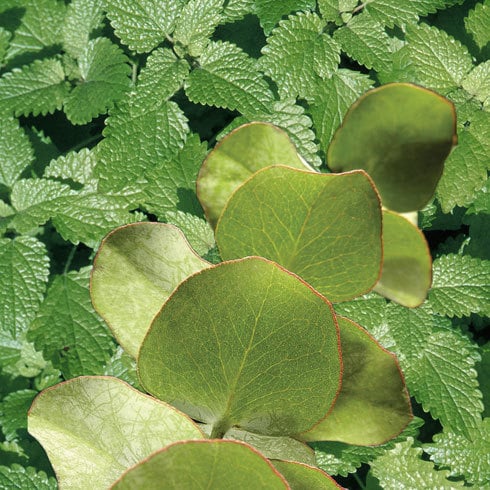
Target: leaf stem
column 359, row 481
column 219, row 429
column 69, row 260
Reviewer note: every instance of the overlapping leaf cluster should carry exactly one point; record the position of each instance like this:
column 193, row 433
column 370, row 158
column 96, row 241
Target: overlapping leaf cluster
column 174, row 74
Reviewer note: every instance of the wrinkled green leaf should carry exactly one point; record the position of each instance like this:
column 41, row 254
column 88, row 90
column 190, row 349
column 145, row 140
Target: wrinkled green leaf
column 17, row 476
column 13, row 412
column 477, row 23
column 271, row 12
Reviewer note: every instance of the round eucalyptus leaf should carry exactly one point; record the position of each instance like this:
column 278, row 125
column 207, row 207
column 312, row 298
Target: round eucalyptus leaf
column 244, row 344
column 373, row 405
column 236, row 157
column 407, row 264
column 400, row 134
column 135, row 270
column 94, row 428
column 303, row 477
column 324, row 227
column 213, row 464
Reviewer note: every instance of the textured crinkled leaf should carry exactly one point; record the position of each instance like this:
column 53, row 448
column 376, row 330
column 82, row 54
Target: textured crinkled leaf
column 24, row 269
column 238, row 155
column 299, row 53
column 143, row 24
column 271, row 12
column 13, row 412
column 136, row 269
column 477, row 82
column 331, row 9
column 196, row 229
column 17, row 476
column 403, row 468
column 384, row 134
column 407, row 264
column 465, row 170
column 38, row 88
column 5, row 37
column 332, row 240
column 405, row 11
column 337, row 458
column 301, row 476
column 68, row 331
column 373, row 404
column 365, row 40
column 237, row 9
column 439, row 366
column 137, row 138
column 81, row 19
column 172, row 184
column 123, row 366
column 465, row 457
column 104, row 78
column 439, row 60
column 272, row 447
column 40, row 26
column 195, row 24
column 215, row 464
column 94, row 428
column 227, row 77
column 477, row 23
column 15, row 150
column 332, row 99
column 74, row 166
column 461, row 286
column 265, row 358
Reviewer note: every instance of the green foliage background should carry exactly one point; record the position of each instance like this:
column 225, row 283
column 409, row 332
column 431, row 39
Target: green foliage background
column 107, row 109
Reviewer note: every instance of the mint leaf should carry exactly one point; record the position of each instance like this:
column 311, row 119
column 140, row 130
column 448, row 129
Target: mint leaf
column 76, row 167
column 365, row 40
column 123, row 366
column 196, row 22
column 462, row 456
column 67, row 329
column 104, row 77
column 270, row 12
column 461, row 286
column 16, row 476
column 477, row 23
column 38, row 88
column 24, row 268
column 331, row 10
column 477, row 83
column 143, row 24
column 81, row 19
column 299, row 53
column 332, row 99
column 4, row 43
column 402, row 467
column 228, row 78
column 39, row 29
column 440, row 61
column 465, row 170
column 13, row 412
column 15, row 151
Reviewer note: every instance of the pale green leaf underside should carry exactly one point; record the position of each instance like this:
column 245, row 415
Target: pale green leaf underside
column 239, row 154
column 332, row 240
column 229, row 78
column 407, row 272
column 68, row 331
column 264, row 359
column 15, row 151
column 373, row 404
column 298, row 54
column 136, row 269
column 300, row 476
column 186, row 465
column 38, row 88
column 104, row 79
column 17, row 476
column 143, row 24
column 94, row 428
column 402, row 467
column 461, row 286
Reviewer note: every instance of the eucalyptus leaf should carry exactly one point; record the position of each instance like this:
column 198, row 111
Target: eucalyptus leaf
column 400, row 134
column 135, row 270
column 303, row 477
column 407, row 264
column 373, row 405
column 244, row 344
column 324, row 227
column 216, row 464
column 239, row 154
column 94, row 428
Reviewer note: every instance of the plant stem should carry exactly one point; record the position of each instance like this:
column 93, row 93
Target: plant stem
column 70, row 259
column 219, row 429
column 359, row 481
